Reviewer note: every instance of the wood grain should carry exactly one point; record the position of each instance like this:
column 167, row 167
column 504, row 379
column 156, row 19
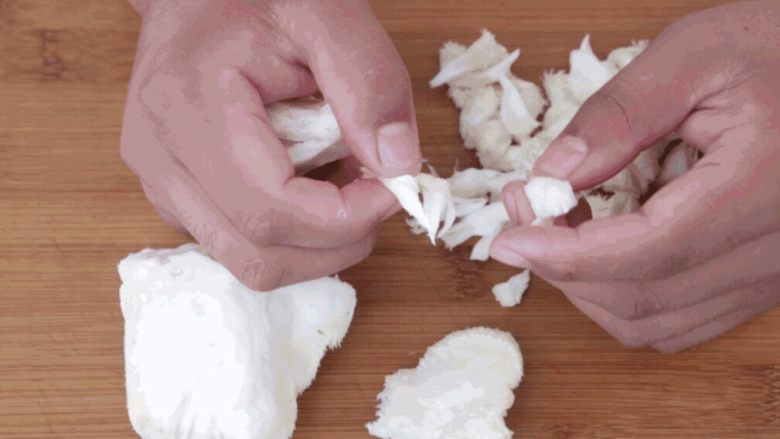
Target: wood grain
column 69, row 210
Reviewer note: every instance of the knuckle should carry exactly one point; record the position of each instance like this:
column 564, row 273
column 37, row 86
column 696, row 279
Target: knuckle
column 206, row 235
column 155, row 92
column 150, row 192
column 613, row 302
column 768, row 292
column 559, row 271
column 576, row 269
column 669, row 347
column 627, row 310
column 567, row 273
column 734, row 239
column 675, row 260
column 262, row 228
column 259, row 273
column 633, row 302
column 617, row 97
column 169, row 218
column 144, row 125
column 629, row 334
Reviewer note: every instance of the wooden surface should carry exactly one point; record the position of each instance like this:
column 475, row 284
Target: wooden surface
column 70, row 210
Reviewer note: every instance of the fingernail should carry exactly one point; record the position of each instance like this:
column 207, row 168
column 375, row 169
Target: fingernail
column 564, row 157
column 397, row 145
column 516, row 203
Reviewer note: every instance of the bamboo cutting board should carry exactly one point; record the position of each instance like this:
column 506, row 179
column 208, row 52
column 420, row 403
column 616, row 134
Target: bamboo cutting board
column 70, row 210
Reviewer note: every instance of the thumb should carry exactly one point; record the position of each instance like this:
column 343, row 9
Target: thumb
column 362, row 77
column 649, row 98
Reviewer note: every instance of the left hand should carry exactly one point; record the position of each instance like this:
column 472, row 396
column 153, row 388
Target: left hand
column 197, row 134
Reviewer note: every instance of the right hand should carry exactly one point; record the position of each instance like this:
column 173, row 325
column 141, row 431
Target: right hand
column 701, row 255
column 196, row 133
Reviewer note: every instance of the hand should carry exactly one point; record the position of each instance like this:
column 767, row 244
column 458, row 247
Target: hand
column 197, row 135
column 703, row 253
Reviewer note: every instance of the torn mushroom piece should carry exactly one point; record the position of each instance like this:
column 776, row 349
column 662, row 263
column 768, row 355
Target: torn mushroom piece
column 609, row 205
column 314, row 138
column 677, row 162
column 481, row 250
column 427, row 199
column 514, row 113
column 622, row 56
column 587, row 72
column 206, row 357
column 510, row 293
column 503, row 68
column 485, row 221
column 482, row 54
column 549, row 198
column 310, row 131
column 637, row 177
column 461, row 388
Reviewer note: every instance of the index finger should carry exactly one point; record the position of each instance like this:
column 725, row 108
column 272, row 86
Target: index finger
column 720, row 203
